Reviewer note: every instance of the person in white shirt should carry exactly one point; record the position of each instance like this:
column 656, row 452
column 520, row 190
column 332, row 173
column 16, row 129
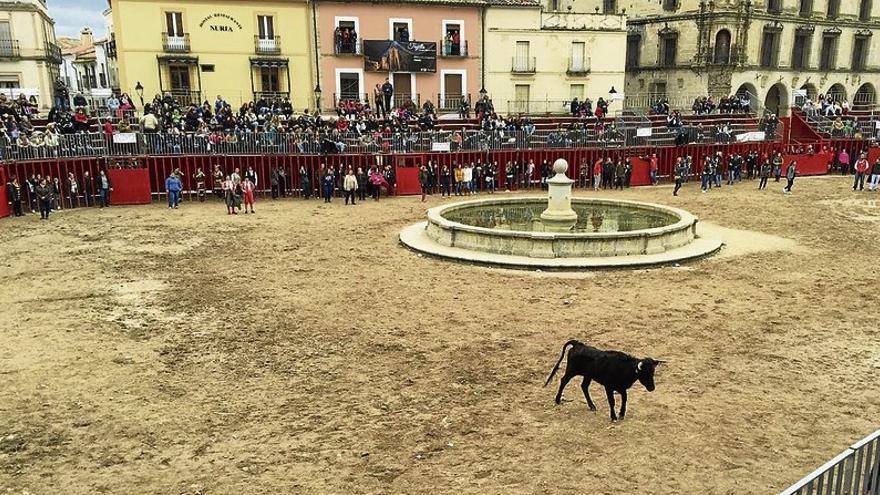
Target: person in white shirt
column 468, row 178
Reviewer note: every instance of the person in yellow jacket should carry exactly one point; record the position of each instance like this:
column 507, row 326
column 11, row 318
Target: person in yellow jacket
column 459, row 179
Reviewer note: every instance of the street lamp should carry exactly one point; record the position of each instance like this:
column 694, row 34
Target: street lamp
column 318, row 97
column 139, row 89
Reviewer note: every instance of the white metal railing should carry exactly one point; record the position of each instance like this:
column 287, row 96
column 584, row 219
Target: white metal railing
column 855, row 471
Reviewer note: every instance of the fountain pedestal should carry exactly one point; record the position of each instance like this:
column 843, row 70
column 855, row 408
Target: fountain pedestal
column 559, row 217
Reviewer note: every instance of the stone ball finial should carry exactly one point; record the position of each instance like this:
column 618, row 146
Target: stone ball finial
column 560, row 166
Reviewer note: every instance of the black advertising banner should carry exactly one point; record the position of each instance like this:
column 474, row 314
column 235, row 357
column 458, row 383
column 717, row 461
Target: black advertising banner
column 400, row 56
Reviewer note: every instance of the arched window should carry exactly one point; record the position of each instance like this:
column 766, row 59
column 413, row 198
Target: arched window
column 722, row 47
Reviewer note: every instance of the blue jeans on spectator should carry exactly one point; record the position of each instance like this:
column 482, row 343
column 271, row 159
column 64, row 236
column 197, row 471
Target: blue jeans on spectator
column 706, row 183
column 173, row 199
column 104, row 195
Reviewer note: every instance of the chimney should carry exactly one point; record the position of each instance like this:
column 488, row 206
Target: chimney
column 86, row 38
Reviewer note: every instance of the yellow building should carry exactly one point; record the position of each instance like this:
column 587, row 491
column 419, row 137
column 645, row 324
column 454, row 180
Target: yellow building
column 539, row 58
column 29, row 55
column 198, row 49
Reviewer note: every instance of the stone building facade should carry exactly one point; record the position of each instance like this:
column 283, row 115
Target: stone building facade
column 772, row 49
column 29, row 54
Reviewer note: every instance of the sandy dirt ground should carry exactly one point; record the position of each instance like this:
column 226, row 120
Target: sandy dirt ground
column 302, row 350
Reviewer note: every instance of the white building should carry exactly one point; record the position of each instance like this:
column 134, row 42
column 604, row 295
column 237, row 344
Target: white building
column 85, row 68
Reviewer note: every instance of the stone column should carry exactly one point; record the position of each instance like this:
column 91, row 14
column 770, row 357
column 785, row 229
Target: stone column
column 559, row 217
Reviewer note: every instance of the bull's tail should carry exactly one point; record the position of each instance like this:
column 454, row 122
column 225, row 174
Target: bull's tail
column 561, row 355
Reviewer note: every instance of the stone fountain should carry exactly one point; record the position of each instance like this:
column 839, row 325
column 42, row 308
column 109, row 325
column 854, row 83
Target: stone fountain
column 559, row 232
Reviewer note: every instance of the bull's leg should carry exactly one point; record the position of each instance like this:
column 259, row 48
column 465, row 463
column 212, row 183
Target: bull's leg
column 610, row 394
column 585, row 386
column 622, row 404
column 562, row 383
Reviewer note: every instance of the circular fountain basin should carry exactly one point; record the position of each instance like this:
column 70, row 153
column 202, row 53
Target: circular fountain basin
column 608, row 233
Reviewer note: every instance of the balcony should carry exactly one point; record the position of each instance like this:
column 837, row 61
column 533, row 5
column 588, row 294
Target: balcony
column 175, row 43
column 186, row 97
column 452, row 102
column 345, row 97
column 267, row 46
column 271, row 96
column 452, row 50
column 406, row 99
column 9, row 49
column 348, row 48
column 578, row 68
column 523, row 65
column 53, row 53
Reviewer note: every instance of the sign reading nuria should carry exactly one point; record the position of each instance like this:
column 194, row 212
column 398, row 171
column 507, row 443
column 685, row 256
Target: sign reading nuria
column 222, row 28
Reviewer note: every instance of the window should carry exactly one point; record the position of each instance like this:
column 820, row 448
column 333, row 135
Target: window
column 833, row 9
column 102, row 77
column 576, row 63
column 521, row 95
column 207, row 67
column 633, row 50
column 6, row 43
column 860, row 52
column 722, row 47
column 609, row 6
column 657, row 90
column 828, row 56
column 774, row 6
column 269, row 80
column 865, row 10
column 452, row 36
column 770, row 48
column 401, row 31
column 800, row 55
column 349, row 86
column 346, row 36
column 806, row 8
column 179, row 77
column 576, row 91
column 10, row 81
column 265, row 27
column 522, row 62
column 668, row 49
column 89, row 80
column 174, row 24
column 670, row 5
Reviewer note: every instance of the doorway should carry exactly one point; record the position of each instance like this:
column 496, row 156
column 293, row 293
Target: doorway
column 403, row 88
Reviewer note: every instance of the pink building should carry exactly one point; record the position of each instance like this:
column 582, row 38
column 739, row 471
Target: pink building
column 428, row 50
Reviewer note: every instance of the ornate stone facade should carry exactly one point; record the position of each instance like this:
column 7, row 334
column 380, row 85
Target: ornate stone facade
column 773, row 49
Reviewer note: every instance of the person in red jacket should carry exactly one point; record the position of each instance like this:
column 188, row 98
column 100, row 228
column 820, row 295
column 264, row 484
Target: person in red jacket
column 654, row 167
column 861, row 168
column 247, row 193
column 597, row 174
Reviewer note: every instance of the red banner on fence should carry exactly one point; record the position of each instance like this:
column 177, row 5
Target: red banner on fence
column 130, row 186
column 810, row 164
column 5, row 210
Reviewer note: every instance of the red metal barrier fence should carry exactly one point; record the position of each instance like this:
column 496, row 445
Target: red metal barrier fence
column 405, row 166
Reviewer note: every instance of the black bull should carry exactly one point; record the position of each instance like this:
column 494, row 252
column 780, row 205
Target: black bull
column 614, row 370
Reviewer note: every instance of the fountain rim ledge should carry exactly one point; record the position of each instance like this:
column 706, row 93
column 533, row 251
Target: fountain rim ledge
column 685, row 219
